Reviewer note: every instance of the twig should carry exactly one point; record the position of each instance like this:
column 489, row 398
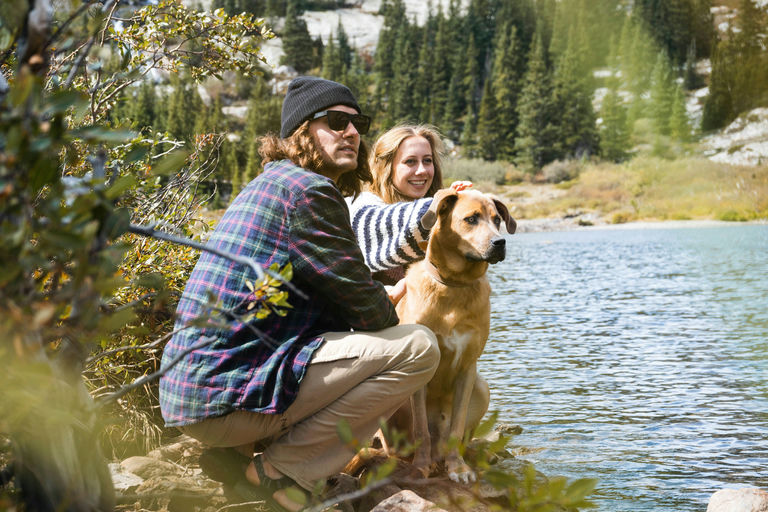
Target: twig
column 152, row 344
column 260, row 272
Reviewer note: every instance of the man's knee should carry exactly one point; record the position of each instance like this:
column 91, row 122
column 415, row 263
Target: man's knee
column 425, row 348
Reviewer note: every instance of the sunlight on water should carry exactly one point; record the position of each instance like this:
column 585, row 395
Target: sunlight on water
column 637, row 357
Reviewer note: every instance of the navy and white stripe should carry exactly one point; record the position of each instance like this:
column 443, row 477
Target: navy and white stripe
column 388, row 234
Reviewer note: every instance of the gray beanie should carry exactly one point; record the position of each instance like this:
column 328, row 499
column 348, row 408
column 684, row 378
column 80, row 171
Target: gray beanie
column 307, row 95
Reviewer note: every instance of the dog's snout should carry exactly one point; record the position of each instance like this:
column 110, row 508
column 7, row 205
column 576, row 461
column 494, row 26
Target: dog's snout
column 496, row 250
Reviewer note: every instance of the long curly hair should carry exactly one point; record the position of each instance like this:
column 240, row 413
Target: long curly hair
column 383, row 158
column 301, row 149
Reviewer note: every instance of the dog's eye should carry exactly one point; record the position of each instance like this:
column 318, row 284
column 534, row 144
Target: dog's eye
column 497, row 221
column 472, row 219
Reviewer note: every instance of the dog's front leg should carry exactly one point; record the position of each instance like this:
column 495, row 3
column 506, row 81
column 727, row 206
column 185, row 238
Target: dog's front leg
column 422, row 458
column 458, row 470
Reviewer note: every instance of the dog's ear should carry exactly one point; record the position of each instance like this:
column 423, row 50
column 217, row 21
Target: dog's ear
column 508, row 220
column 444, row 198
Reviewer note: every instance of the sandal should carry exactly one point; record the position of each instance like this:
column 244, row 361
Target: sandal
column 247, row 491
column 225, row 465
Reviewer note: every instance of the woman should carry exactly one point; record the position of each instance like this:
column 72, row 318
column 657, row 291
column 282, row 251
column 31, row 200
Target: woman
column 407, row 171
column 406, row 168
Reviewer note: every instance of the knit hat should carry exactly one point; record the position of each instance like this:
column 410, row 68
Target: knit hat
column 307, row 95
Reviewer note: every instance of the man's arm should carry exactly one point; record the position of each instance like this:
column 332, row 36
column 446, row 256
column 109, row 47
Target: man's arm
column 327, row 256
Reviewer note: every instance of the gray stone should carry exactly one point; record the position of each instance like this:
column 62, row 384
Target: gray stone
column 149, row 467
column 406, row 501
column 739, row 500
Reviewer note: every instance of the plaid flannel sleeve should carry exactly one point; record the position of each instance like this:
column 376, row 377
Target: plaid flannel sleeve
column 328, row 257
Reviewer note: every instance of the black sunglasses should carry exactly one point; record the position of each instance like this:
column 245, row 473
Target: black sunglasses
column 338, row 120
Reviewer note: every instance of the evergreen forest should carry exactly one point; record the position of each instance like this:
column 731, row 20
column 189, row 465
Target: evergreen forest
column 527, row 82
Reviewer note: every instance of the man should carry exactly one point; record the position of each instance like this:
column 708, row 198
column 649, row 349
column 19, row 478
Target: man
column 336, row 356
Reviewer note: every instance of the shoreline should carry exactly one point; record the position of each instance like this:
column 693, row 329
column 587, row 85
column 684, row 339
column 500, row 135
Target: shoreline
column 572, row 224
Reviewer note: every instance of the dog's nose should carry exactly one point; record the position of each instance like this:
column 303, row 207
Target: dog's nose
column 498, row 242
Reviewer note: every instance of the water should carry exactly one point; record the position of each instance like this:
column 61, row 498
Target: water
column 638, row 357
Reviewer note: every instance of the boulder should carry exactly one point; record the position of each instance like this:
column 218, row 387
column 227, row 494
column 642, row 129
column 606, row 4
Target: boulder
column 739, row 500
column 149, row 467
column 406, row 501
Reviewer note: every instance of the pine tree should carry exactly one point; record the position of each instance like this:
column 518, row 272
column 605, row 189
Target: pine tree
column 333, row 66
column 297, row 43
column 345, row 50
column 679, row 125
column 662, row 94
column 405, row 65
column 506, row 84
column 614, row 129
column 441, row 72
column 572, row 99
column 422, row 89
column 142, row 113
column 537, row 129
column 394, row 17
column 487, row 133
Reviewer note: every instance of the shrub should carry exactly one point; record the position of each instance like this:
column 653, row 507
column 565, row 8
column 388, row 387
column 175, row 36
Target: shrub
column 562, row 170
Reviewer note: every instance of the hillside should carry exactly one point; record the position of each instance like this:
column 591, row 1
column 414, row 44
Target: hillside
column 741, row 143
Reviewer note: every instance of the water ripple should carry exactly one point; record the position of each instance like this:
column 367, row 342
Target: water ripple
column 637, row 357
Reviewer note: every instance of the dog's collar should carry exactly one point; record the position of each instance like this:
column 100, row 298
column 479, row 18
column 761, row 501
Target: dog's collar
column 435, row 274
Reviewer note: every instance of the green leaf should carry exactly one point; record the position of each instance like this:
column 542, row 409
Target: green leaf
column 117, row 223
column 102, row 134
column 171, row 162
column 61, row 101
column 122, row 184
column 579, row 489
column 486, row 426
column 136, row 153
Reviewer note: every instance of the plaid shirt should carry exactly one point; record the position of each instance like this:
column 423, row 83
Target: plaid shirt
column 287, row 214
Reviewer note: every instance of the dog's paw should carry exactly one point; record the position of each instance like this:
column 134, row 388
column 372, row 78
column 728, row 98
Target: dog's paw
column 460, row 472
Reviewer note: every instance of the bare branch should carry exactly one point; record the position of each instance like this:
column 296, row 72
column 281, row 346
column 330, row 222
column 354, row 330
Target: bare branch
column 151, row 344
column 260, row 272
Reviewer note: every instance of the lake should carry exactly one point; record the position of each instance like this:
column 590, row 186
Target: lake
column 637, row 357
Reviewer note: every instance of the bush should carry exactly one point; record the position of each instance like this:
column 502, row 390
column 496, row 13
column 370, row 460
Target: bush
column 562, row 170
column 477, row 170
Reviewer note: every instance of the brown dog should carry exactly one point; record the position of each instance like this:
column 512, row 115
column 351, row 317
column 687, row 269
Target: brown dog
column 449, row 293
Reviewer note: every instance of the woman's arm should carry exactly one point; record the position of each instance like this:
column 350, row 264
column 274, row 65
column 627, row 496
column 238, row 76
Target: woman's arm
column 388, row 234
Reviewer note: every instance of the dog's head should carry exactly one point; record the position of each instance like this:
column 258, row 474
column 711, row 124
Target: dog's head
column 470, row 221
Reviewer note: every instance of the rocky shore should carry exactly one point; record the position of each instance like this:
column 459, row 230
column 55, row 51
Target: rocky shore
column 170, row 479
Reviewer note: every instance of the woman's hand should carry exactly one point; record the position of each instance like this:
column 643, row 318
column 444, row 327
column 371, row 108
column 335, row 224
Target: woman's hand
column 396, row 291
column 458, row 186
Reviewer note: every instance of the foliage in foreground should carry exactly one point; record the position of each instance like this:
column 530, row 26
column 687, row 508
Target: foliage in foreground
column 519, row 486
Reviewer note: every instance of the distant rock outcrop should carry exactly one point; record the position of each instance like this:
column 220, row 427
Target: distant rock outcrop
column 743, row 142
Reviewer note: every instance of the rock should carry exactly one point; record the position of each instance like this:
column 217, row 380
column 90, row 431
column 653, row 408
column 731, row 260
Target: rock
column 406, row 501
column 738, row 500
column 124, row 481
column 149, row 467
column 183, row 449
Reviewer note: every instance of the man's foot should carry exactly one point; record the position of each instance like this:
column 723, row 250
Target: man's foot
column 262, row 481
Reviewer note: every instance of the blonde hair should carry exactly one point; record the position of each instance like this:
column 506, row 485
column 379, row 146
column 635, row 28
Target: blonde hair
column 301, row 149
column 383, row 157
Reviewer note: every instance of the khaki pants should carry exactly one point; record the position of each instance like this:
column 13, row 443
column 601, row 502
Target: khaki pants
column 358, row 377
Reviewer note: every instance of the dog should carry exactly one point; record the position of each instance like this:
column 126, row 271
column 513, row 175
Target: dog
column 448, row 292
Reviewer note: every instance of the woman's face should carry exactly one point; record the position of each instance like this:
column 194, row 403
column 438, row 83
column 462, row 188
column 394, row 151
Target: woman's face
column 413, row 168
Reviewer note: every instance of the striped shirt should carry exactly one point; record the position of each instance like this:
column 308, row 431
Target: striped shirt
column 388, row 234
column 286, row 215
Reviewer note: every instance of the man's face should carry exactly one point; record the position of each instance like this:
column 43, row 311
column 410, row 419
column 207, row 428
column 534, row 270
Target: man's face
column 339, row 147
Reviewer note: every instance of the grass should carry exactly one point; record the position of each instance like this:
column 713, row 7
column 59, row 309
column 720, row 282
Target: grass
column 645, row 188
